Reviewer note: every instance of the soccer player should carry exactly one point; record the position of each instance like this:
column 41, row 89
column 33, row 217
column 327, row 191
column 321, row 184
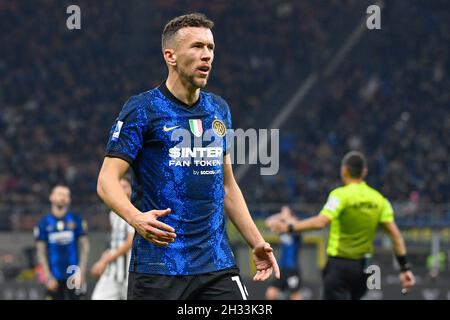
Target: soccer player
column 113, row 264
column 354, row 211
column 62, row 248
column 289, row 283
column 174, row 138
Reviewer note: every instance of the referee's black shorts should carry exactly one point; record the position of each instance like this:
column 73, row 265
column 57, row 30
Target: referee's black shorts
column 344, row 279
column 220, row 285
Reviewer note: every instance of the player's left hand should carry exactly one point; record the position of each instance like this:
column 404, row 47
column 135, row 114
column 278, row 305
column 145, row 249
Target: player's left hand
column 98, row 268
column 265, row 262
column 79, row 280
column 407, row 280
column 278, row 225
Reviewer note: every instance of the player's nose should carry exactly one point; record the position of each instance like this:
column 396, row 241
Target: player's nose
column 206, row 58
column 206, row 55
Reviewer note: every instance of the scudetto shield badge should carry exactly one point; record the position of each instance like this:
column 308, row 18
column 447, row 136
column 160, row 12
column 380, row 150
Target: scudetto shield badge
column 196, row 127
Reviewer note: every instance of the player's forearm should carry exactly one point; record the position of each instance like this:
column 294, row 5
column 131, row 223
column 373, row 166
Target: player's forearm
column 237, row 210
column 112, row 193
column 398, row 244
column 84, row 254
column 313, row 223
column 123, row 249
column 394, row 234
column 42, row 259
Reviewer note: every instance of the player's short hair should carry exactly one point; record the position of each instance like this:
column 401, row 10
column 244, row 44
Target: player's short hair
column 355, row 162
column 184, row 21
column 60, row 185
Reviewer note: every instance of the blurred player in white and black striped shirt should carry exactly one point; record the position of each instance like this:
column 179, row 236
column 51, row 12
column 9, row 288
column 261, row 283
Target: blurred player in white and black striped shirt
column 113, row 265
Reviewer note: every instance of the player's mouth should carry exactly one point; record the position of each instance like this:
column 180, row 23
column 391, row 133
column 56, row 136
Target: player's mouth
column 204, row 70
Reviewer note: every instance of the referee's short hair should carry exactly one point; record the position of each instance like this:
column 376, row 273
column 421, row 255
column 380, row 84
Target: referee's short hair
column 355, row 162
column 184, row 21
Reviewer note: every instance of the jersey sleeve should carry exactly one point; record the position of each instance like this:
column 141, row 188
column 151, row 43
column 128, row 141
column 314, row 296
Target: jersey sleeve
column 387, row 215
column 229, row 135
column 333, row 206
column 40, row 231
column 126, row 136
column 226, row 117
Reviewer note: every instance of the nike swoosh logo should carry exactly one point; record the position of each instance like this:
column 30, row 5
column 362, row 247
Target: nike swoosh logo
column 169, row 128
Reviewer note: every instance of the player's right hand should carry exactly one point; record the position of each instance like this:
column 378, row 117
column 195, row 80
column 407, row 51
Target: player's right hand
column 52, row 284
column 265, row 262
column 155, row 231
column 407, row 280
column 275, row 217
column 285, row 215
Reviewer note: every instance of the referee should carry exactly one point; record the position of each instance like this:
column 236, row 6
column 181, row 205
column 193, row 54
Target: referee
column 354, row 211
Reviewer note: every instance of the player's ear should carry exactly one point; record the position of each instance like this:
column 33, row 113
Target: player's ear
column 343, row 171
column 170, row 57
column 364, row 174
column 345, row 174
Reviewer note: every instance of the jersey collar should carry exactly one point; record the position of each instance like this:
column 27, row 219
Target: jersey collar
column 165, row 91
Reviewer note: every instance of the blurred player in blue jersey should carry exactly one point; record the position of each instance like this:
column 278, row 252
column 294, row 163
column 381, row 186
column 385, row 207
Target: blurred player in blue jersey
column 174, row 138
column 62, row 248
column 288, row 286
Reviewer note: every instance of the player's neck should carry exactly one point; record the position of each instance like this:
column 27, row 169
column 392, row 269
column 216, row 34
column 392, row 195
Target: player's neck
column 182, row 91
column 59, row 212
column 353, row 181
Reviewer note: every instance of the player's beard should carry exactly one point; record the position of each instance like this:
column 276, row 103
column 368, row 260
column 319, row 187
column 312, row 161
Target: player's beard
column 200, row 82
column 193, row 80
column 61, row 206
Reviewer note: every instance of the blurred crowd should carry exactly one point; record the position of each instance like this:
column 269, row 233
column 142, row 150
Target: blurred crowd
column 389, row 99
column 60, row 91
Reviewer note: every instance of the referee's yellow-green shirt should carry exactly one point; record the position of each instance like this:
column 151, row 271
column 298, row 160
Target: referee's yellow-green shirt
column 355, row 210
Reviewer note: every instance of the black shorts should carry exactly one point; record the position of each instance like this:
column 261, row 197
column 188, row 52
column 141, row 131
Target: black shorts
column 220, row 285
column 344, row 279
column 64, row 293
column 290, row 280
